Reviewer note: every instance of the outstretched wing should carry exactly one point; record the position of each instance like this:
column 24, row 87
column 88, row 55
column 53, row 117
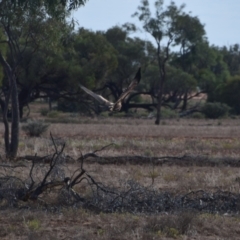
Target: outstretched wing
column 131, row 86
column 99, row 98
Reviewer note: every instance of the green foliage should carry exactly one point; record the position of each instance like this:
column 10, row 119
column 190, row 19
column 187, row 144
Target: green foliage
column 172, row 27
column 52, row 6
column 215, row 110
column 58, row 58
column 189, row 30
column 48, row 67
column 28, row 25
column 231, row 56
column 167, row 113
column 220, row 68
column 95, row 55
column 35, row 128
column 205, row 63
column 47, row 64
column 136, row 99
column 44, row 111
column 34, row 224
column 229, row 93
column 206, row 80
column 71, row 106
column 170, row 22
column 151, row 77
column 67, row 106
column 131, row 52
column 180, row 81
column 53, row 114
column 198, row 115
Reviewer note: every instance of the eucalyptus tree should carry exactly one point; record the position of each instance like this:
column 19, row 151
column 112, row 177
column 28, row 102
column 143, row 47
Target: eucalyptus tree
column 228, row 93
column 53, row 6
column 132, row 52
column 96, row 57
column 189, row 32
column 172, row 29
column 178, row 82
column 77, row 56
column 206, row 64
column 20, row 23
column 161, row 28
column 231, row 55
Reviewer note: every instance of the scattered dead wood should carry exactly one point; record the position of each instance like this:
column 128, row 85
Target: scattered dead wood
column 185, row 160
column 135, row 198
column 14, row 189
column 130, row 196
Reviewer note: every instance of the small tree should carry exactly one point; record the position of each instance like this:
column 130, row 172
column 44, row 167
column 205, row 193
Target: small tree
column 18, row 21
column 161, row 28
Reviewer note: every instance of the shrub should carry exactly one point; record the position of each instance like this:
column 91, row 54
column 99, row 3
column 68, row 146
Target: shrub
column 44, row 111
column 215, row 110
column 172, row 225
column 137, row 99
column 34, row 224
column 53, row 114
column 35, row 128
column 116, row 114
column 168, row 113
column 229, row 93
column 198, row 115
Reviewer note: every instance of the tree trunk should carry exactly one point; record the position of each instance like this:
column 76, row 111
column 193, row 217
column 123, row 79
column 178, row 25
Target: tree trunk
column 50, row 104
column 15, row 119
column 159, row 102
column 184, row 106
column 159, row 105
column 23, row 99
column 162, row 72
column 11, row 147
column 4, row 107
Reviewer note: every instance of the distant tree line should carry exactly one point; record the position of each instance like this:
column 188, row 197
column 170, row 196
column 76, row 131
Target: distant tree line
column 42, row 55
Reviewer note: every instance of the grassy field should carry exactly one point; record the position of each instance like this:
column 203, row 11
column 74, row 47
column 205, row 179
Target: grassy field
column 214, row 141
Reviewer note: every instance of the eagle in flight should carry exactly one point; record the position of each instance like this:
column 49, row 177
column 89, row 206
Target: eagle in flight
column 110, row 106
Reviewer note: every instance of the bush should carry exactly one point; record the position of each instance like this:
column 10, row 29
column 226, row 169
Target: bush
column 197, row 115
column 44, row 111
column 167, row 113
column 229, row 93
column 172, row 226
column 35, row 128
column 137, row 99
column 215, row 110
column 53, row 114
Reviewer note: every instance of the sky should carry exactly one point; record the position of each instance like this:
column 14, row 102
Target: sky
column 221, row 18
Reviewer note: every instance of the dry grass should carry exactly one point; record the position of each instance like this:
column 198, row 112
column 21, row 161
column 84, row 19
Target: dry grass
column 213, row 138
column 80, row 224
column 139, row 137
